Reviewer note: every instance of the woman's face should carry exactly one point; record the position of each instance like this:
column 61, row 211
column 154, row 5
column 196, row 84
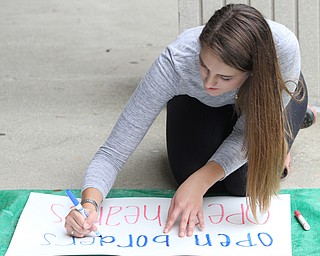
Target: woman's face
column 218, row 78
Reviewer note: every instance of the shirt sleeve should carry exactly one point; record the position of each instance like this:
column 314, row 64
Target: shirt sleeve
column 231, row 154
column 153, row 92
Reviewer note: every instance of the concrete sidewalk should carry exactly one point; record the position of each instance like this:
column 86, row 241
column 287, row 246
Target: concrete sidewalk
column 67, row 70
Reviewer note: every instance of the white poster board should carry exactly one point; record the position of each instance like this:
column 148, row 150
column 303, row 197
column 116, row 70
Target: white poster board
column 134, row 226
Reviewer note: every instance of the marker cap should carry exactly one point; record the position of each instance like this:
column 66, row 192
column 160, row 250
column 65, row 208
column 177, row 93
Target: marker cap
column 72, row 197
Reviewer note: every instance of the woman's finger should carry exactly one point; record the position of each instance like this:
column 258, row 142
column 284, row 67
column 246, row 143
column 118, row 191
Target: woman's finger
column 75, row 220
column 74, row 223
column 183, row 223
column 72, row 232
column 201, row 219
column 89, row 222
column 171, row 218
column 191, row 223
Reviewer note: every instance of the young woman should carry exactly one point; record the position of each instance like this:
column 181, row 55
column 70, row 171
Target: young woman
column 234, row 106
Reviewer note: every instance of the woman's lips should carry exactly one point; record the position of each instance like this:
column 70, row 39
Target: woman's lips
column 211, row 89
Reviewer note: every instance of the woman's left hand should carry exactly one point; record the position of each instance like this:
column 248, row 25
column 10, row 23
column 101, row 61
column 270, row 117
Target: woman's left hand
column 188, row 199
column 186, row 204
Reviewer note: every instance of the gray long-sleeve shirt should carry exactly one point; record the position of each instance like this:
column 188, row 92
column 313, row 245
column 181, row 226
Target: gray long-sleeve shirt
column 176, row 72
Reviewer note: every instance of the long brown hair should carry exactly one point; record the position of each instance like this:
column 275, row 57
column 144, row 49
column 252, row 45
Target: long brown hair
column 241, row 37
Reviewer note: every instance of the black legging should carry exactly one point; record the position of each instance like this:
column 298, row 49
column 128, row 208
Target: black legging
column 195, row 131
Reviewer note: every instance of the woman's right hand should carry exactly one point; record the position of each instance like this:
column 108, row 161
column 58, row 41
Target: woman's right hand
column 77, row 225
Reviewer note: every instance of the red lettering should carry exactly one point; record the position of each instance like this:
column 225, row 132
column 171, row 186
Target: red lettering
column 136, row 215
column 236, row 218
column 220, row 215
column 53, row 207
column 111, row 213
column 239, row 218
column 156, row 217
column 251, row 219
column 99, row 220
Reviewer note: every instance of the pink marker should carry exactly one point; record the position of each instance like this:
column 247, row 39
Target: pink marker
column 302, row 220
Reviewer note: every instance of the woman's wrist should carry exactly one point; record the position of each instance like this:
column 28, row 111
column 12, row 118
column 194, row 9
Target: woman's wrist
column 87, row 201
column 91, row 199
column 205, row 177
column 211, row 173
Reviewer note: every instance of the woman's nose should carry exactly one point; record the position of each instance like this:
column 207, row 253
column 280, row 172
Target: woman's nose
column 210, row 81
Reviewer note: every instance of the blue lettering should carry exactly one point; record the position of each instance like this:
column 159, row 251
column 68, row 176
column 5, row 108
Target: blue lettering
column 72, row 243
column 227, row 242
column 246, row 243
column 166, row 241
column 144, row 242
column 84, row 242
column 130, row 242
column 45, row 236
column 270, row 239
column 104, row 240
column 208, row 243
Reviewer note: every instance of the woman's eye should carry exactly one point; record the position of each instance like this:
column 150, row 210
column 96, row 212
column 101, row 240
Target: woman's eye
column 225, row 78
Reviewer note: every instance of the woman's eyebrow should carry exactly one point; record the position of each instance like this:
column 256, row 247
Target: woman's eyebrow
column 201, row 61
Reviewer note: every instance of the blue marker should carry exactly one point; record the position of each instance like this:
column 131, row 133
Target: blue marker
column 79, row 207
